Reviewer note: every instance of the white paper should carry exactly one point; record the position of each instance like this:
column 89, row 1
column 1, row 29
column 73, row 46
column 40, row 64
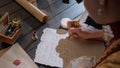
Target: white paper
column 46, row 51
column 16, row 53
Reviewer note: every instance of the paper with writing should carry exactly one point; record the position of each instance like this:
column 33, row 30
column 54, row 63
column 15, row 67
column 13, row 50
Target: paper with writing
column 46, row 50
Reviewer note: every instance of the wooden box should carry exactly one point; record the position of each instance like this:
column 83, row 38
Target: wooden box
column 4, row 24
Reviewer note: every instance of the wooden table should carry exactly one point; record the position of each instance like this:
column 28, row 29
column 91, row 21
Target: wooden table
column 55, row 9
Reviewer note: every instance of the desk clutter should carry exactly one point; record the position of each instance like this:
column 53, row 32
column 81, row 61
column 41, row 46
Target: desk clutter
column 14, row 25
column 9, row 29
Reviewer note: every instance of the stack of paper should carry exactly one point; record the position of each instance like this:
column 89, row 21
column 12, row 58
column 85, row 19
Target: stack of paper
column 46, row 50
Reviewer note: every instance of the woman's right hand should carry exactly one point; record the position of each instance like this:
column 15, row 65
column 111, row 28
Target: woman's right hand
column 78, row 33
column 71, row 25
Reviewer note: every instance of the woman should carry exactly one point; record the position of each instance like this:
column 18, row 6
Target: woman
column 105, row 12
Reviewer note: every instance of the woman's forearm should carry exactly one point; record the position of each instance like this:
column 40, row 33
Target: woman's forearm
column 96, row 34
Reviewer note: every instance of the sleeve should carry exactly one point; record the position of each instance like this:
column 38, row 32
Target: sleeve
column 91, row 22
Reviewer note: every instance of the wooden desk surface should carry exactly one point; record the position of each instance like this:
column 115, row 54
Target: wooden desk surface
column 55, row 9
column 2, row 51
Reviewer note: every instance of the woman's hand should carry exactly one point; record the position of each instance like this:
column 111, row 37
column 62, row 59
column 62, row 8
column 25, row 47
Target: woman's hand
column 88, row 34
column 72, row 25
column 78, row 33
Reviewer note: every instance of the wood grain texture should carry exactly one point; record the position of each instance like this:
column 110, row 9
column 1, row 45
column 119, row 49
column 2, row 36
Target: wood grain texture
column 4, row 2
column 55, row 9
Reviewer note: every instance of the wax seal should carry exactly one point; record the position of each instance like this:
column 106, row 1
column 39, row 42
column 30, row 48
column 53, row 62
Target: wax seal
column 16, row 62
